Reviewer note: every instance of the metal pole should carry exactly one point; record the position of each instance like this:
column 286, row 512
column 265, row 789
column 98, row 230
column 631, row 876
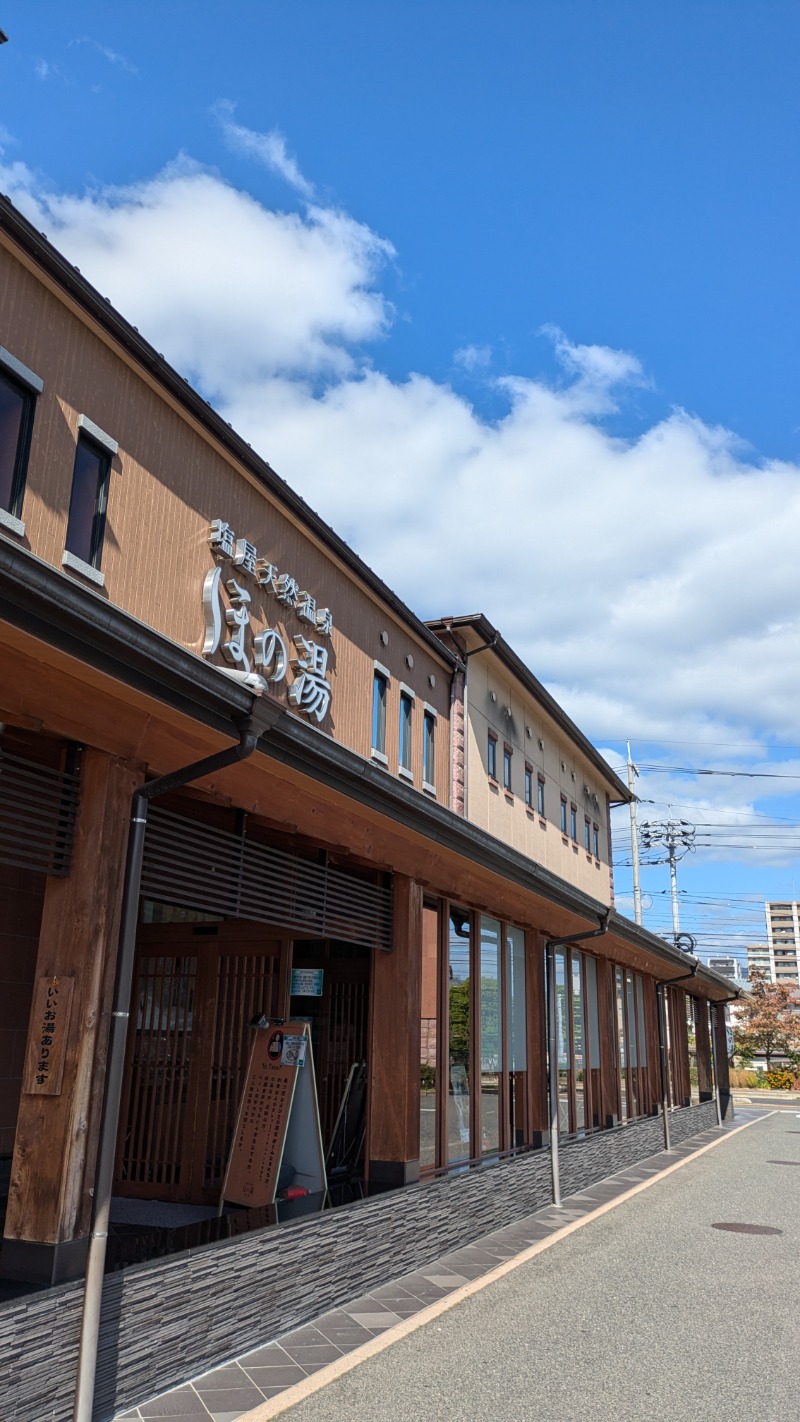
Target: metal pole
column 637, row 888
column 552, row 1055
column 662, row 1052
column 673, row 880
column 104, row 1176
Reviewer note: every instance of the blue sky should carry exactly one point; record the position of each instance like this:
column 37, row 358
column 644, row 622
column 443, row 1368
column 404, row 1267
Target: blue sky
column 530, row 265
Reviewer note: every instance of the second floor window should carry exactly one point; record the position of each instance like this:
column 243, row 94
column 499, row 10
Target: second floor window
column 528, row 787
column 573, row 823
column 491, row 756
column 540, row 796
column 428, row 747
column 507, row 768
column 587, row 835
column 406, row 707
column 596, row 840
column 563, row 815
column 16, row 423
column 86, row 524
column 380, row 685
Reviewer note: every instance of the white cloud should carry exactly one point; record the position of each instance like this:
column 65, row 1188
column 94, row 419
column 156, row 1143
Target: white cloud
column 651, row 581
column 473, row 357
column 108, row 54
column 269, row 148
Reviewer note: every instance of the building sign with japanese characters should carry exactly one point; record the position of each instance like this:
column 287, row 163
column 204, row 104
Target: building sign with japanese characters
column 44, row 1064
column 241, row 585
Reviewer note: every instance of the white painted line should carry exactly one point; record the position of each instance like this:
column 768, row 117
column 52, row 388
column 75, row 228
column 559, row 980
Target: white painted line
column 276, row 1405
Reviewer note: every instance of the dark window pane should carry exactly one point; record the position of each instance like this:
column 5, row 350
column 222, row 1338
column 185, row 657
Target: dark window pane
column 540, row 797
column 379, row 713
column 87, row 510
column 429, row 1034
column 506, row 770
column 14, row 405
column 458, row 1101
column 405, row 731
column 492, row 757
column 427, row 748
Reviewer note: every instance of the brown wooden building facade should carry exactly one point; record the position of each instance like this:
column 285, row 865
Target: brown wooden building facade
column 160, row 590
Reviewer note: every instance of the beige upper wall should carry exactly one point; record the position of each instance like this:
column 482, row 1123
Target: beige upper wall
column 537, row 741
column 169, row 481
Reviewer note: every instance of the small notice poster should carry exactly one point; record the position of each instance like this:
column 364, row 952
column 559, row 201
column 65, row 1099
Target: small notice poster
column 307, row 982
column 277, row 1142
column 44, row 1064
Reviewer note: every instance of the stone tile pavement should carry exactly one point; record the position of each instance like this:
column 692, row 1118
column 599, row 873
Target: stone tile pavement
column 227, row 1393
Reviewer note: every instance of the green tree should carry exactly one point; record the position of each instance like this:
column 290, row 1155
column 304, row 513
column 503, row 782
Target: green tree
column 768, row 1021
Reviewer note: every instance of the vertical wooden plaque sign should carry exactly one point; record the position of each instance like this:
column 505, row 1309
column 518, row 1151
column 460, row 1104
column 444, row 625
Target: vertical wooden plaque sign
column 277, row 1140
column 44, row 1063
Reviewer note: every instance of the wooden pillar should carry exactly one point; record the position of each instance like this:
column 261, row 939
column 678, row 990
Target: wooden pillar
column 52, row 1173
column 705, row 1079
column 653, row 1044
column 722, row 1063
column 536, row 1028
column 679, row 1043
column 393, row 1104
column 609, row 1053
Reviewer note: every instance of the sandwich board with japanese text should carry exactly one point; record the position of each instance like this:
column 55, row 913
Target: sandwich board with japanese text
column 277, row 1142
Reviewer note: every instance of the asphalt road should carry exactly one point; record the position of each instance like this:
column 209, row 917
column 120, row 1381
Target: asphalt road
column 646, row 1313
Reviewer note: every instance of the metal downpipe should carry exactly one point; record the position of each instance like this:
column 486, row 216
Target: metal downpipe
column 662, row 1053
column 249, row 733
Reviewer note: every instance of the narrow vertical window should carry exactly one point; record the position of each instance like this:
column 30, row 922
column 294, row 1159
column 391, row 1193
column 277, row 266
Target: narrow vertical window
column 573, row 823
column 529, row 787
column 86, row 524
column 540, row 795
column 428, row 748
column 491, row 756
column 429, row 1035
column 517, row 1035
column 16, row 424
column 507, row 753
column 380, row 682
column 563, row 815
column 491, row 1033
column 596, row 840
column 459, row 1036
column 406, row 708
column 587, row 835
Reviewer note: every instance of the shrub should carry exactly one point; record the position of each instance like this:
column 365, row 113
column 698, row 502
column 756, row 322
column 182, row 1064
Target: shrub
column 780, row 1079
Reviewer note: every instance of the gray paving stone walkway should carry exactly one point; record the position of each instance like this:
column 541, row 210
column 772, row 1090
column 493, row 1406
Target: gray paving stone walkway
column 227, row 1393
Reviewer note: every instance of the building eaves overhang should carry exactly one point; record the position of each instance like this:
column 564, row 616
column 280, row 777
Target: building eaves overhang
column 44, row 254
column 496, row 643
column 48, row 606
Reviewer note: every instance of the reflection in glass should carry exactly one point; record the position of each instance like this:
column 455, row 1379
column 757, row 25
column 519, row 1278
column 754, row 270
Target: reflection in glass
column 691, row 1032
column 429, row 1032
column 562, row 1041
column 578, row 1042
column 633, row 1056
column 622, row 1055
column 491, row 1034
column 517, row 1035
column 592, row 1022
column 458, row 1100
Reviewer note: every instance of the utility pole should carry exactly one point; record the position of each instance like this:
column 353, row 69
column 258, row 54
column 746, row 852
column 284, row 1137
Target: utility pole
column 637, row 887
column 677, row 837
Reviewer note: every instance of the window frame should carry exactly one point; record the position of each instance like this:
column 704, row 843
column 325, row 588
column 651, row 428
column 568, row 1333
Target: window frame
column 540, row 796
column 407, row 699
column 429, row 718
column 508, row 760
column 104, row 447
column 573, row 822
column 28, row 385
column 381, row 680
column 528, row 786
column 491, row 755
column 564, row 815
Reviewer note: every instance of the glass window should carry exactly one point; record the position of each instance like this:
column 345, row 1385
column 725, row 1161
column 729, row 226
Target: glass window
column 592, row 1024
column 573, row 823
column 507, row 768
column 429, row 1035
column 563, row 815
column 578, row 1042
column 406, row 706
column 491, row 1035
column 87, row 506
column 379, row 689
column 633, row 1050
column 459, row 1031
column 529, row 787
column 587, row 835
column 622, row 1047
column 16, row 423
column 517, row 1035
column 491, row 756
column 691, row 1032
column 562, row 1040
column 540, row 796
column 596, row 841
column 428, row 747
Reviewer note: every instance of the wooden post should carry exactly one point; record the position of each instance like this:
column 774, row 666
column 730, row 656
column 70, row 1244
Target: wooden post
column 703, row 1041
column 394, row 1101
column 679, row 1043
column 609, row 1055
column 52, row 1173
column 536, row 1024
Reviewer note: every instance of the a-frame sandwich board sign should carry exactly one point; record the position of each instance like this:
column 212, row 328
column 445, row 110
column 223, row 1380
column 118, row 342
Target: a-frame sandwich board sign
column 277, row 1142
